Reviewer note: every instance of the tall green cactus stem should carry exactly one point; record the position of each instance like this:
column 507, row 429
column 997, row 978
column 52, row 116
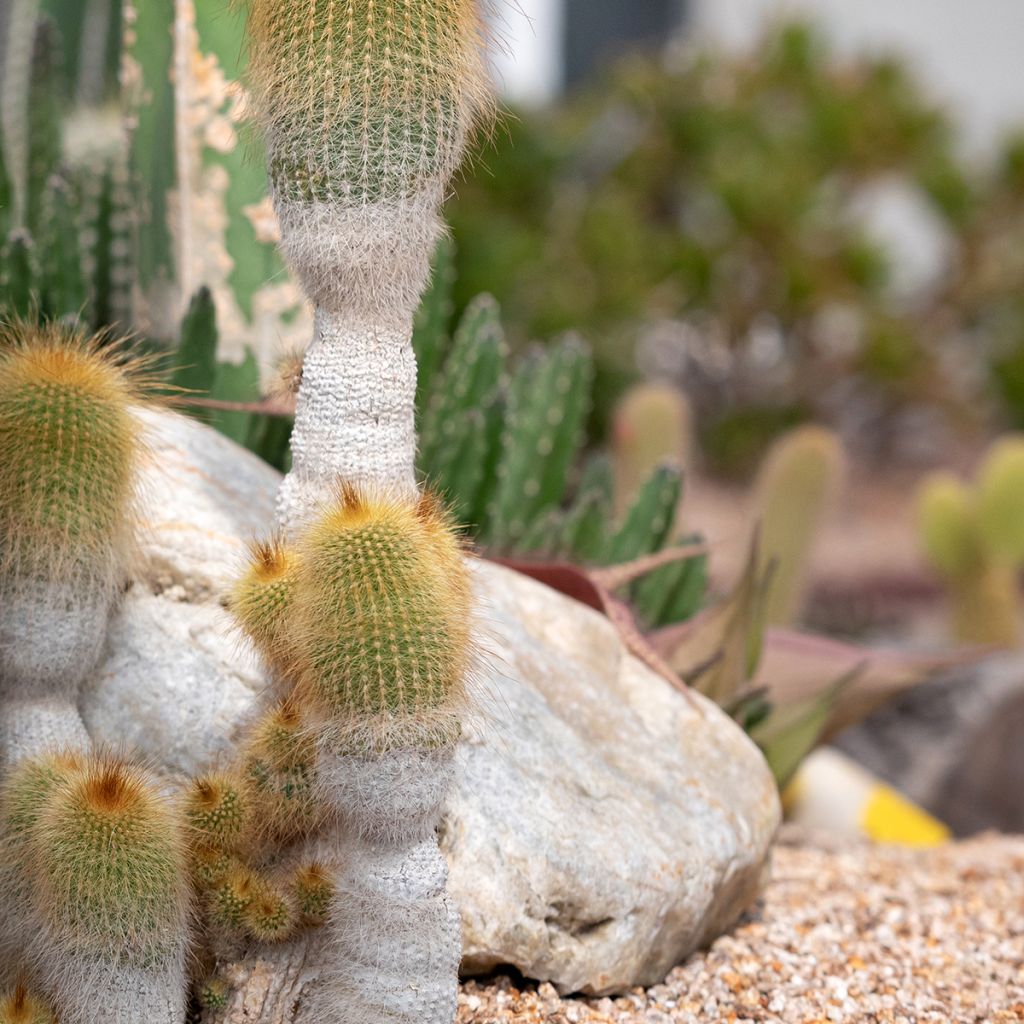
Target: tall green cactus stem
column 365, row 106
column 68, row 450
column 968, row 538
column 653, row 424
column 800, row 477
column 109, row 889
column 21, row 1007
column 382, row 631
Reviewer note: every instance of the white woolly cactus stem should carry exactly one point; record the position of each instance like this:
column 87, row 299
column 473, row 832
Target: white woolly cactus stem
column 394, row 929
column 92, row 990
column 51, row 634
column 354, row 415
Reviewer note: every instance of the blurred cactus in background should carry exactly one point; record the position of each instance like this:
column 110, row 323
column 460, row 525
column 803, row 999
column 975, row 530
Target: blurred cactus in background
column 204, row 220
column 715, row 216
column 652, row 424
column 973, row 538
column 796, row 485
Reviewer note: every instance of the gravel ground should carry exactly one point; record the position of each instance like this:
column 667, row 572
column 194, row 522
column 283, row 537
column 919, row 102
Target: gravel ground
column 847, row 935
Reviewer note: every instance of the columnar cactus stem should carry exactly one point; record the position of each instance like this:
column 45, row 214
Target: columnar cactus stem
column 99, row 852
column 68, row 451
column 365, row 106
column 355, row 413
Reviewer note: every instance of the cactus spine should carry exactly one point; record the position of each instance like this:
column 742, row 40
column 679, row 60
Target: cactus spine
column 799, row 478
column 102, row 860
column 365, row 107
column 68, row 451
column 973, row 538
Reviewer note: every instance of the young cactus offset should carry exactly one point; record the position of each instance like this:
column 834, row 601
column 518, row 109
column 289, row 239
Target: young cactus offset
column 68, row 452
column 105, row 888
column 261, row 599
column 801, row 475
column 974, row 539
column 365, row 107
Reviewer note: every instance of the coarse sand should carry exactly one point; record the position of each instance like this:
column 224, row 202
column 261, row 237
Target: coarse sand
column 844, row 934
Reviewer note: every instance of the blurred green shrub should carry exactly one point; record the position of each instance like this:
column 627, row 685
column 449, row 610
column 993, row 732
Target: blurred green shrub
column 722, row 195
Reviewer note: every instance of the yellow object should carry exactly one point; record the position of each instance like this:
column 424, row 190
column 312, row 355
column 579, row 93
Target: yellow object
column 834, row 794
column 891, row 818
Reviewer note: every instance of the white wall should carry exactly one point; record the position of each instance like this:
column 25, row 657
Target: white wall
column 971, row 52
column 528, row 51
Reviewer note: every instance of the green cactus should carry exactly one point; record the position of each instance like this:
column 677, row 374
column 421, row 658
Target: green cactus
column 543, row 433
column 313, row 889
column 1000, row 497
column 19, row 275
column 972, row 537
column 430, row 327
column 62, row 276
column 230, row 896
column 799, row 478
column 214, row 993
column 453, row 435
column 583, row 534
column 261, row 599
column 98, row 887
column 393, row 88
column 107, row 226
column 111, row 865
column 22, row 1007
column 270, row 916
column 381, row 630
column 43, row 136
column 69, row 448
column 650, row 520
column 279, row 760
column 218, row 811
column 652, row 424
column 6, row 195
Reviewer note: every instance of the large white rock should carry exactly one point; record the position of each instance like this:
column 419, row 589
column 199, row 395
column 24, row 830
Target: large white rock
column 603, row 826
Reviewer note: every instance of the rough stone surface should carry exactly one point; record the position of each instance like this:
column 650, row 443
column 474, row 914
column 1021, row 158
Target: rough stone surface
column 602, row 827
